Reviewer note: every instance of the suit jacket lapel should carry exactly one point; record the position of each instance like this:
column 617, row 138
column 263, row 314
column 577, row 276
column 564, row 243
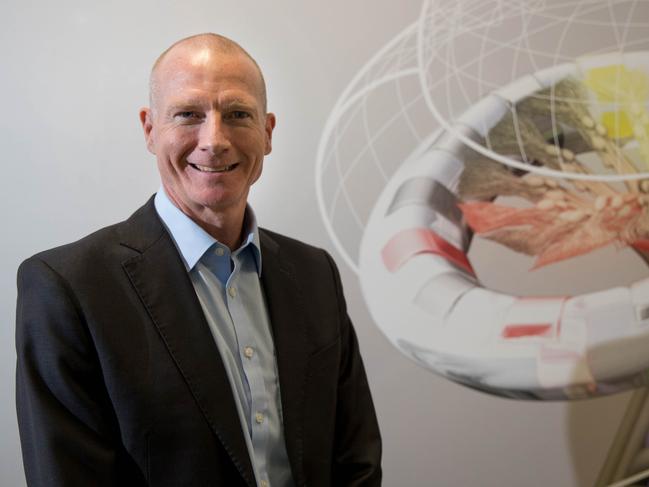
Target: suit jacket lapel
column 162, row 283
column 286, row 311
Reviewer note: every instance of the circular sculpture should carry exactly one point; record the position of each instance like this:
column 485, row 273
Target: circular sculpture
column 547, row 156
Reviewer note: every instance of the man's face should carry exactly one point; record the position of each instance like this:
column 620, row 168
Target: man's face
column 208, row 129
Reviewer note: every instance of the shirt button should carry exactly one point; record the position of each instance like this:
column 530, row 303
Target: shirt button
column 232, row 292
column 263, row 483
column 220, row 251
column 259, row 418
column 248, row 352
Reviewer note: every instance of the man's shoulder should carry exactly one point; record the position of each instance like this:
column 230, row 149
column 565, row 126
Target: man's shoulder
column 107, row 244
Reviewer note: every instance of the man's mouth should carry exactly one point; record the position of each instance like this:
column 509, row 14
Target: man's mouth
column 229, row 168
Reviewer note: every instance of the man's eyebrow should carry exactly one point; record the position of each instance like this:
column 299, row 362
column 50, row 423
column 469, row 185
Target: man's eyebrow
column 227, row 104
column 184, row 104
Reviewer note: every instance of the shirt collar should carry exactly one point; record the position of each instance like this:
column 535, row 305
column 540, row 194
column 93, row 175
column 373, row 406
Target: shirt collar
column 192, row 241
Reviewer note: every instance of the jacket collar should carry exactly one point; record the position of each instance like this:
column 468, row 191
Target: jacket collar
column 287, row 314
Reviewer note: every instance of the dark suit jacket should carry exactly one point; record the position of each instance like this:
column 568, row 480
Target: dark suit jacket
column 119, row 381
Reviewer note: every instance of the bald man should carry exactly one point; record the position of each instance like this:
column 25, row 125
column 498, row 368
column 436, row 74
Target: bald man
column 186, row 346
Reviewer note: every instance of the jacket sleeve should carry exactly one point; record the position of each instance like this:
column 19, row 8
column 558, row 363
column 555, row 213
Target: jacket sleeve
column 68, row 431
column 357, row 442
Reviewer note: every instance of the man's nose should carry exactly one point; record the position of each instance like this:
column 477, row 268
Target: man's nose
column 214, row 137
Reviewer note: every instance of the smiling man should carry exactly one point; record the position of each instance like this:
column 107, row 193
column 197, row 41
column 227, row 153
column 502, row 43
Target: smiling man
column 186, row 346
column 209, row 129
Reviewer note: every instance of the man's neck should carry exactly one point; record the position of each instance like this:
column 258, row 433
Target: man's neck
column 225, row 226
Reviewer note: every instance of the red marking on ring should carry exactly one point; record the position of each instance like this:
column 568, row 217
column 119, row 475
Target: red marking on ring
column 528, row 330
column 641, row 245
column 408, row 243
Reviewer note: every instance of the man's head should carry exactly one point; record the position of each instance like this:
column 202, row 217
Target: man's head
column 207, row 125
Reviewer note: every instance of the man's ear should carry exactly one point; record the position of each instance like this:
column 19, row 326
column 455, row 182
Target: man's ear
column 270, row 125
column 147, row 126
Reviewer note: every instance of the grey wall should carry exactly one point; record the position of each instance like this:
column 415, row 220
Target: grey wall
column 73, row 78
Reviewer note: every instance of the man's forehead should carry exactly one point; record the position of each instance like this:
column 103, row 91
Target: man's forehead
column 205, row 63
column 203, row 56
column 206, row 57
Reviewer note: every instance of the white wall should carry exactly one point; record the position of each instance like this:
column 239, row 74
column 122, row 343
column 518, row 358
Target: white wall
column 73, row 77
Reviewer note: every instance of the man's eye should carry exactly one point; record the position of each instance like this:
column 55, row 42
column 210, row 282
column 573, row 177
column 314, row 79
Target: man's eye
column 238, row 114
column 187, row 115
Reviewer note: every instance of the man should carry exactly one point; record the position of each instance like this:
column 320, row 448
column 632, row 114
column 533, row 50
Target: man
column 184, row 346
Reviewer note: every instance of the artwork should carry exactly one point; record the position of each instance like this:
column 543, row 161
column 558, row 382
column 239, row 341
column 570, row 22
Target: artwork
column 537, row 116
column 545, row 347
column 486, row 175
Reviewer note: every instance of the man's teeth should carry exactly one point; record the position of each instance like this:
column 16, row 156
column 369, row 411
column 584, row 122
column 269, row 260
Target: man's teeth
column 214, row 169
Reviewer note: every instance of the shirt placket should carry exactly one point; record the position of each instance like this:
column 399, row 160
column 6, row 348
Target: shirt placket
column 251, row 363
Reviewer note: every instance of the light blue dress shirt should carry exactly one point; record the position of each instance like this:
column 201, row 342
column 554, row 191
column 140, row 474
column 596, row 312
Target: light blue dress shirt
column 228, row 287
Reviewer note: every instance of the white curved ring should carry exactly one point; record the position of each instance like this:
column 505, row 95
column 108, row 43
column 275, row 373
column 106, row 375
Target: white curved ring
column 423, row 294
